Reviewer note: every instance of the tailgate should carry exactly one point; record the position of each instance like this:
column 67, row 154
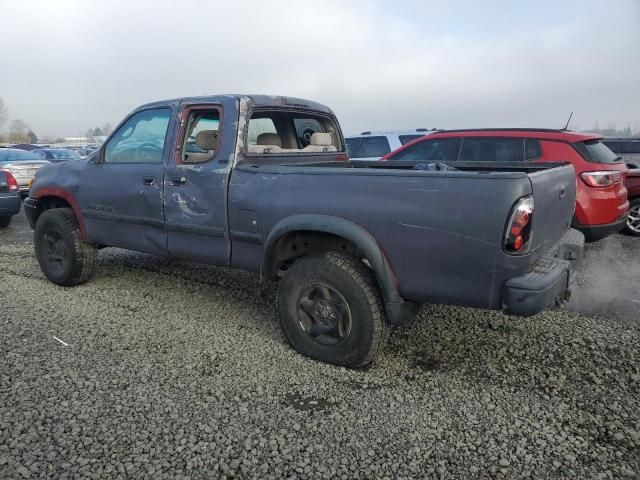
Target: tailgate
column 554, row 196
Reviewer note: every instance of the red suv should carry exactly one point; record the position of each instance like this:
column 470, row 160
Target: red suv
column 601, row 203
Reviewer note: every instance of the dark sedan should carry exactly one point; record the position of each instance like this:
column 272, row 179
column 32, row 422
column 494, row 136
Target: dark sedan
column 57, row 154
column 9, row 197
column 23, row 166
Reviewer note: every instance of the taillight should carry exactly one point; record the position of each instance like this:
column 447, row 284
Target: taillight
column 518, row 233
column 11, row 182
column 605, row 178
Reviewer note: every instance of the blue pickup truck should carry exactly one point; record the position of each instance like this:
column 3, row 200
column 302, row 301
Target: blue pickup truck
column 263, row 183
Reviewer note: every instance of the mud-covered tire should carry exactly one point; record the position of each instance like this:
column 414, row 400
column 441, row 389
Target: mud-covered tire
column 64, row 257
column 355, row 284
column 633, row 221
column 5, row 221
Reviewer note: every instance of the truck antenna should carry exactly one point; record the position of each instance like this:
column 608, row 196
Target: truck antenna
column 566, row 127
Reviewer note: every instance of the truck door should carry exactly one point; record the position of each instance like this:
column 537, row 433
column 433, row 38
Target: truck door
column 196, row 183
column 120, row 192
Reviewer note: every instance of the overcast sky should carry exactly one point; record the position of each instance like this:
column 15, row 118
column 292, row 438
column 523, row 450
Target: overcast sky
column 66, row 66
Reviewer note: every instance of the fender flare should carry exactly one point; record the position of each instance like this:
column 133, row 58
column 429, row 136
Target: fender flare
column 398, row 310
column 68, row 197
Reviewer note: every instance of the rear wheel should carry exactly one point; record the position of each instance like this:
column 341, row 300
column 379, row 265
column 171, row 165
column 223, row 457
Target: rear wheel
column 633, row 220
column 63, row 256
column 330, row 310
column 5, row 221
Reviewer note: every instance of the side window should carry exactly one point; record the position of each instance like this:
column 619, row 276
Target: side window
column 630, row 147
column 140, row 139
column 404, row 139
column 439, row 150
column 201, row 136
column 353, row 144
column 491, row 150
column 373, row 147
column 532, row 150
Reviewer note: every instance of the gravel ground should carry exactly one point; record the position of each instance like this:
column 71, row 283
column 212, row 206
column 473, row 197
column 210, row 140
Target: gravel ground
column 176, row 370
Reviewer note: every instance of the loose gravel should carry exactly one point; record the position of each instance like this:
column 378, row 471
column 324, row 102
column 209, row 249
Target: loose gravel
column 174, row 370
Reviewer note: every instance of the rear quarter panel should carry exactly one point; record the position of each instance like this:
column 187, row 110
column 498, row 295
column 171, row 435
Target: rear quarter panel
column 594, row 206
column 442, row 232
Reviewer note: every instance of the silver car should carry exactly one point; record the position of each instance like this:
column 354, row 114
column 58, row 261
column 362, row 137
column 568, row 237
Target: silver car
column 22, row 164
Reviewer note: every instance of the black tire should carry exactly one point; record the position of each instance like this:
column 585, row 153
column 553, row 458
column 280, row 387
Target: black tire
column 349, row 279
column 5, row 221
column 63, row 256
column 633, row 221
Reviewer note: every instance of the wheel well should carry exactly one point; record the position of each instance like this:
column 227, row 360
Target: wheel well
column 47, row 203
column 296, row 244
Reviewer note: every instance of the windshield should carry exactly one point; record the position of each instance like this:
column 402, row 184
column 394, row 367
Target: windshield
column 595, row 151
column 15, row 155
column 63, row 153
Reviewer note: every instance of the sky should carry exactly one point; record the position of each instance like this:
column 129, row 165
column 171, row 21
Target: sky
column 67, row 65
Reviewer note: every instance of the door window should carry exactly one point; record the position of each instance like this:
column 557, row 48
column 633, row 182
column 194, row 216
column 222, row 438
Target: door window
column 630, row 147
column 201, row 136
column 532, row 150
column 140, row 139
column 408, row 138
column 438, row 150
column 372, row 147
column 491, row 150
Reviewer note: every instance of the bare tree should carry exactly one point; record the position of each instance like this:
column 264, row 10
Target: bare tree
column 4, row 113
column 19, row 131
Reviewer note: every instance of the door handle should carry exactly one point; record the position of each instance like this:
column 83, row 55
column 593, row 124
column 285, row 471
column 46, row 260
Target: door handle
column 178, row 182
column 148, row 180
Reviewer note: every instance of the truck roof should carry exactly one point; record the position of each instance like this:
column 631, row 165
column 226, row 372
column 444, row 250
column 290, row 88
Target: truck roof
column 257, row 100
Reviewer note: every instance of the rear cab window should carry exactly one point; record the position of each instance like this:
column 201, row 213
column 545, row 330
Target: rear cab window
column 595, row 151
column 283, row 132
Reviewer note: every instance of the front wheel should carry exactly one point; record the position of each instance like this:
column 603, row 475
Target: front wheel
column 633, row 220
column 63, row 256
column 330, row 310
column 5, row 221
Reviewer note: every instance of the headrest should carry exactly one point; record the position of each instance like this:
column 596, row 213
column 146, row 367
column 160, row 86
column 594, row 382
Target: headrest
column 272, row 139
column 207, row 139
column 321, row 139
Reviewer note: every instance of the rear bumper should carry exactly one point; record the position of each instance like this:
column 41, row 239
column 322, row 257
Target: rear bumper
column 30, row 207
column 548, row 279
column 593, row 233
column 9, row 204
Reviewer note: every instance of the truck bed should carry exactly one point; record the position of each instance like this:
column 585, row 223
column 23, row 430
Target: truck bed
column 441, row 230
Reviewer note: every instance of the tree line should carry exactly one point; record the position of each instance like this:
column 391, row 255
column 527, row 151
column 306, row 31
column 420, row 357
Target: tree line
column 20, row 131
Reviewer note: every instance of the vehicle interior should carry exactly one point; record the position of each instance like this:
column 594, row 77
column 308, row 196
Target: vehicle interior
column 282, row 132
column 201, row 136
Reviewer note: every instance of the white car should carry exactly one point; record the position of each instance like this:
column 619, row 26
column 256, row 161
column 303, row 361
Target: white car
column 370, row 146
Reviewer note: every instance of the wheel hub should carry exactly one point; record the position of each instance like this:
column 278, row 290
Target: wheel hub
column 633, row 220
column 323, row 314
